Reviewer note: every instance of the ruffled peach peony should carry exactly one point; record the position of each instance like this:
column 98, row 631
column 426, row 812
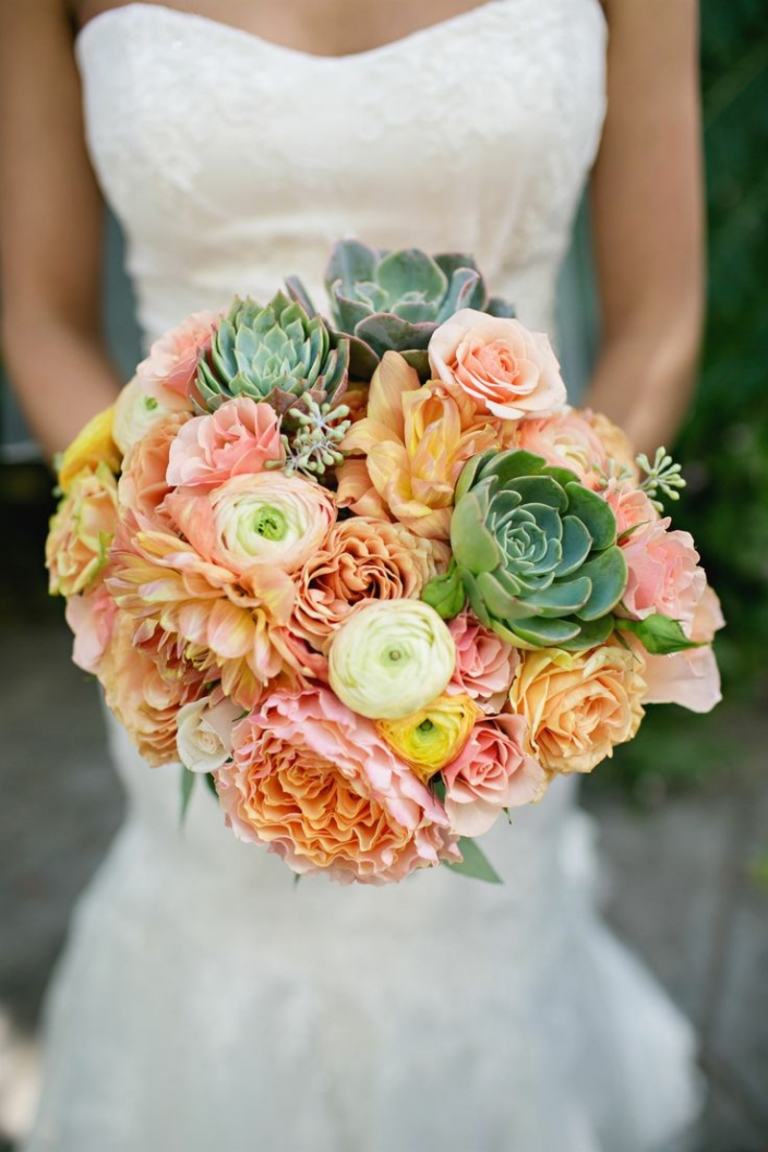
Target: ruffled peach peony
column 318, row 786
column 164, row 584
column 238, row 438
column 415, row 441
column 81, row 532
column 617, row 445
column 143, row 484
column 485, row 664
column 173, row 359
column 578, row 705
column 260, row 527
column 361, row 560
column 145, row 693
column 506, row 369
column 565, row 440
column 664, row 573
column 492, row 773
column 692, row 678
column 91, row 617
column 631, row 507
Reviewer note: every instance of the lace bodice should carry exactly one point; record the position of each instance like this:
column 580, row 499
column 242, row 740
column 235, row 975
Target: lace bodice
column 232, row 162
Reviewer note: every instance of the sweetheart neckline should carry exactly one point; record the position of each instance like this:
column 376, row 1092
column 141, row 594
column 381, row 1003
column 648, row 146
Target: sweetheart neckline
column 244, row 34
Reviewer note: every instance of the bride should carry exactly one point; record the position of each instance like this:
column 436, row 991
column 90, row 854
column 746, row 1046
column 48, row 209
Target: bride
column 204, row 1001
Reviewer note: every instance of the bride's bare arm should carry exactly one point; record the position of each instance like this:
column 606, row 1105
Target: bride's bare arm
column 648, row 219
column 50, row 228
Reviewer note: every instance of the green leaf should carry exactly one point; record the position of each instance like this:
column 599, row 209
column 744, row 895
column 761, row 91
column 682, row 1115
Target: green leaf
column 512, row 464
column 471, row 471
column 590, row 634
column 187, row 783
column 577, row 544
column 475, row 864
column 541, row 633
column 474, row 547
column 445, row 593
column 660, row 635
column 561, row 598
column 210, row 783
column 539, row 490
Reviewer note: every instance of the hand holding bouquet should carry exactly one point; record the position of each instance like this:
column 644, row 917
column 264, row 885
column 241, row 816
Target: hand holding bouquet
column 371, row 575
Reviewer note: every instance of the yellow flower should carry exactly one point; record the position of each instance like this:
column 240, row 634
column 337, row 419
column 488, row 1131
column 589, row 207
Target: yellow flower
column 92, row 446
column 434, row 736
column 578, row 705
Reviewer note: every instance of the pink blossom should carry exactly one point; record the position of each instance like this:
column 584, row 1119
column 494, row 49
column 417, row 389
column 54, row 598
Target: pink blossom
column 317, row 785
column 485, row 664
column 91, row 618
column 565, row 440
column 173, row 359
column 239, row 437
column 492, row 773
column 664, row 573
column 630, row 506
column 690, row 679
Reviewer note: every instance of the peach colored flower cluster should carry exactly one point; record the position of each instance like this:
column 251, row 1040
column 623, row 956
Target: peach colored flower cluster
column 269, row 575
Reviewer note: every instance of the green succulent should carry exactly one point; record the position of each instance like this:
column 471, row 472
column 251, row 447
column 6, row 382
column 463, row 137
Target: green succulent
column 279, row 354
column 394, row 300
column 535, row 552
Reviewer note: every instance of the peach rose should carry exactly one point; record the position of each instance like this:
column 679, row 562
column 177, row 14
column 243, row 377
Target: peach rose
column 360, row 560
column 506, row 369
column 173, row 359
column 630, row 506
column 690, row 679
column 492, row 773
column 81, row 532
column 485, row 664
column 565, row 440
column 143, row 485
column 318, row 786
column 578, row 705
column 239, row 437
column 415, row 439
column 664, row 573
column 145, row 692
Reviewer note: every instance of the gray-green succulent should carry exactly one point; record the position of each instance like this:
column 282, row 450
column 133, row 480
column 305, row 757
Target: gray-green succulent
column 535, row 552
column 277, row 354
column 387, row 301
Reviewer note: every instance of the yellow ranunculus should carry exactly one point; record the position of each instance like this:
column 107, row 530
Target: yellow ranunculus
column 434, row 736
column 92, row 446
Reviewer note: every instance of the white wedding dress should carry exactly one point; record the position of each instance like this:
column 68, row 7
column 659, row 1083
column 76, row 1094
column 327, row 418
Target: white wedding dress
column 205, row 1001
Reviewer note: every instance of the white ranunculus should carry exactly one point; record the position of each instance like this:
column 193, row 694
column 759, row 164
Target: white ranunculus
column 137, row 408
column 391, row 658
column 204, row 733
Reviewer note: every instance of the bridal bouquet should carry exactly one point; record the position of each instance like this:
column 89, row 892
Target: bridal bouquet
column 371, row 576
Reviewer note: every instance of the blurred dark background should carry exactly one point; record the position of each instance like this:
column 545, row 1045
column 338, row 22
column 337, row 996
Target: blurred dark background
column 687, row 802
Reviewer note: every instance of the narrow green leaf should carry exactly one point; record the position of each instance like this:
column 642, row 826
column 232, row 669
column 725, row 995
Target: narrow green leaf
column 187, row 783
column 475, row 864
column 660, row 635
column 210, row 783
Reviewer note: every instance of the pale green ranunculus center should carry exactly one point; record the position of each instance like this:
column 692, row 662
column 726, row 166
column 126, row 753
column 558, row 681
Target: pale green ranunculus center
column 260, row 530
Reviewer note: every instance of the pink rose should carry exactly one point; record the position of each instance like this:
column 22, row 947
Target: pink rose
column 91, row 619
column 664, row 573
column 506, row 369
column 630, row 505
column 485, row 664
column 565, row 440
column 492, row 773
column 690, row 679
column 239, row 437
column 173, row 359
column 317, row 785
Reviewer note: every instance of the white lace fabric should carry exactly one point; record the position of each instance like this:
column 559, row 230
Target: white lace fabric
column 203, row 999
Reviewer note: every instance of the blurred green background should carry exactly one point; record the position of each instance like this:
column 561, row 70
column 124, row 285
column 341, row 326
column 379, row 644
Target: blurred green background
column 723, row 447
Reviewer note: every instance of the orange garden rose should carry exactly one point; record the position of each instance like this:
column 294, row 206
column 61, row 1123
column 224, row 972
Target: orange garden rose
column 359, row 561
column 315, row 783
column 415, row 439
column 143, row 485
column 578, row 705
column 617, row 445
column 81, row 531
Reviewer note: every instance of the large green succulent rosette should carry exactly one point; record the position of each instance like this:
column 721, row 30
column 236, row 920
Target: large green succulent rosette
column 535, row 553
column 393, row 301
column 279, row 354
